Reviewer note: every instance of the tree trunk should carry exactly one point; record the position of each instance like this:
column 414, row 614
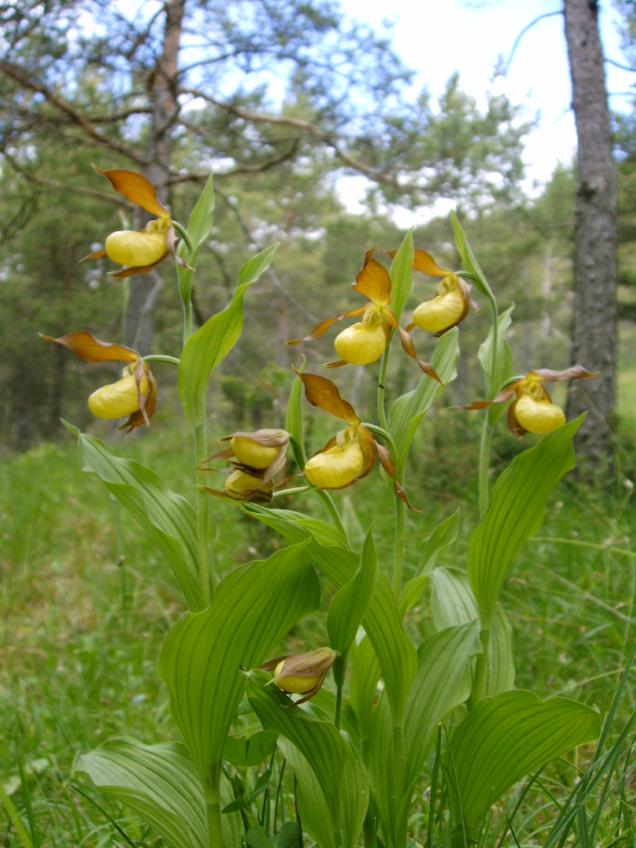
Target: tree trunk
column 162, row 88
column 594, row 325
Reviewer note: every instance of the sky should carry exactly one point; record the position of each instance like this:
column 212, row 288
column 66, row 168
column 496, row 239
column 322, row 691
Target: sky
column 438, row 37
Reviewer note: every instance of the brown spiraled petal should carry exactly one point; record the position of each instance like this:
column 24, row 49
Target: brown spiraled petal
column 171, row 241
column 98, row 254
column 320, row 329
column 142, row 269
column 409, row 349
column 136, row 188
column 575, row 372
column 513, row 423
column 369, row 448
column 91, row 349
column 424, row 262
column 504, row 395
column 373, row 280
column 323, row 393
column 467, row 288
column 387, row 463
column 147, row 405
column 274, row 467
column 477, row 404
column 224, row 454
column 337, row 363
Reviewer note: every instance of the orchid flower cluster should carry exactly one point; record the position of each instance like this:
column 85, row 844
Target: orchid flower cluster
column 214, row 659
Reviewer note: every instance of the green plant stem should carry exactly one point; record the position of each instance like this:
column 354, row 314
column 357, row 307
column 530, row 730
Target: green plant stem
column 333, row 510
column 208, row 578
column 486, row 432
column 381, row 380
column 278, row 797
column 484, row 466
column 162, row 357
column 215, row 830
column 384, row 435
column 339, row 672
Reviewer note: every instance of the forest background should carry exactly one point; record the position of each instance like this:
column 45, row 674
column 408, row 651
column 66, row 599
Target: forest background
column 182, row 89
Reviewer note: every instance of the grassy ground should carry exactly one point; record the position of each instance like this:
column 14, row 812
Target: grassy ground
column 85, row 603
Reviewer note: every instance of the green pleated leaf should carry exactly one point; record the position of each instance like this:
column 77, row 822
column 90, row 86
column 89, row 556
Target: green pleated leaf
column 363, row 685
column 382, row 622
column 313, row 807
column 390, row 796
column 453, row 603
column 350, row 604
column 199, row 228
column 201, row 217
column 516, row 513
column 469, row 260
column 502, row 363
column 249, row 750
column 443, row 536
column 443, row 682
column 158, row 782
column 202, row 656
column 336, row 765
column 402, row 275
column 507, row 737
column 211, row 343
column 408, row 410
column 166, row 517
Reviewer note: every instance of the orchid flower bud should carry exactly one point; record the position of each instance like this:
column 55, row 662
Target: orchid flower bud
column 445, row 310
column 304, row 674
column 538, row 416
column 137, row 249
column 239, row 484
column 250, row 451
column 119, row 399
column 337, row 466
column 360, row 344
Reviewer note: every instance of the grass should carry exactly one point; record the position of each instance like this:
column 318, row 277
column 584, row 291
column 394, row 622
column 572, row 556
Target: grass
column 85, row 603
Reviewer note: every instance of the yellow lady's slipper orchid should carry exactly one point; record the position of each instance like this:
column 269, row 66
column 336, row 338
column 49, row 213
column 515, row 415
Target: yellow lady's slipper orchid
column 240, row 485
column 133, row 395
column 352, row 453
column 302, row 674
column 260, row 448
column 451, row 303
column 364, row 342
column 119, row 399
column 532, row 410
column 257, row 458
column 538, row 416
column 138, row 250
column 338, row 466
column 445, row 310
column 361, row 344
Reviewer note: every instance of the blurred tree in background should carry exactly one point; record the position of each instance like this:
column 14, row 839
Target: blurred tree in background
column 278, row 101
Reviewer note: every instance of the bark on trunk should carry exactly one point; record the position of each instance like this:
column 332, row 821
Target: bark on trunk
column 594, row 326
column 162, row 92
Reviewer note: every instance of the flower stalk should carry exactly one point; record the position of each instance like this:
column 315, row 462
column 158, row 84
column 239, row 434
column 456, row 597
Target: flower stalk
column 486, row 432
